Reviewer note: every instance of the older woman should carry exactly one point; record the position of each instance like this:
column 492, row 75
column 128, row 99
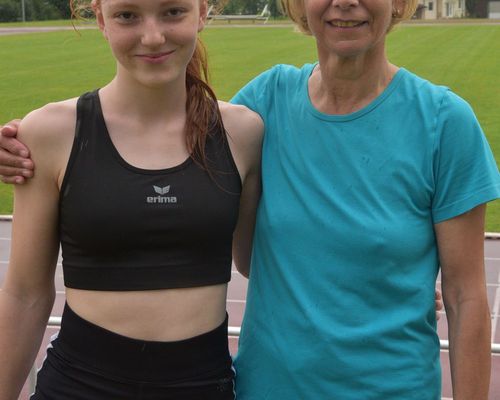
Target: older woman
column 373, row 179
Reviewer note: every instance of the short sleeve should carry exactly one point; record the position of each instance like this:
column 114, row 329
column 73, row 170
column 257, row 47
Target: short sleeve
column 465, row 172
column 255, row 94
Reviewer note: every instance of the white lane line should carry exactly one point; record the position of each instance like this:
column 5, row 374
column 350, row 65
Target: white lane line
column 236, row 301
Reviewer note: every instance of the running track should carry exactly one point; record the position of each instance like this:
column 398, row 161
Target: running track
column 236, row 306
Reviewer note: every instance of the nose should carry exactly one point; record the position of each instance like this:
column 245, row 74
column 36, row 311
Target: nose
column 345, row 4
column 153, row 34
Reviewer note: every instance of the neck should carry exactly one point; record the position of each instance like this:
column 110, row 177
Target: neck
column 144, row 103
column 342, row 85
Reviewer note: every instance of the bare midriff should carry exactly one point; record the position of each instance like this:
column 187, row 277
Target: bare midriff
column 155, row 315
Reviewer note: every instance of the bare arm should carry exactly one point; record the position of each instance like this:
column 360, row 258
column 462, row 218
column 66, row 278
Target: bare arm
column 461, row 250
column 27, row 294
column 243, row 234
column 15, row 165
column 245, row 131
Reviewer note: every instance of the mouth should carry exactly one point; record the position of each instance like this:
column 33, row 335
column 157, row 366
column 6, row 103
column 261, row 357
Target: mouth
column 342, row 24
column 155, row 57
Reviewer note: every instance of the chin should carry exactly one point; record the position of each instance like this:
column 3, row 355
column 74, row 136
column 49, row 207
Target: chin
column 351, row 50
column 156, row 82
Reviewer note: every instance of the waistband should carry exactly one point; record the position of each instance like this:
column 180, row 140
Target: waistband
column 140, row 360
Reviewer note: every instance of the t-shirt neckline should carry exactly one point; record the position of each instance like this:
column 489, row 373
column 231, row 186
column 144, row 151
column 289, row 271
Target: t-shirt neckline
column 357, row 114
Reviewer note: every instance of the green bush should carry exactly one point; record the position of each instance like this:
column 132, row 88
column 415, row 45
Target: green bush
column 10, row 10
column 40, row 10
column 35, row 10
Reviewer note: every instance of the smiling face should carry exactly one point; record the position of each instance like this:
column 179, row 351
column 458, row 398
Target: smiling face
column 152, row 40
column 349, row 28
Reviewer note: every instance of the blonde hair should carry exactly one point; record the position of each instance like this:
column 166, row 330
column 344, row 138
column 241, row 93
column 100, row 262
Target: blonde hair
column 295, row 10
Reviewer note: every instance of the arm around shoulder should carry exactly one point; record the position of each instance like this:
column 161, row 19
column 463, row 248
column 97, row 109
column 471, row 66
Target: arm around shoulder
column 15, row 166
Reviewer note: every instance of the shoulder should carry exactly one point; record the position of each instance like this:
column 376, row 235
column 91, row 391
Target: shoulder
column 435, row 101
column 49, row 133
column 49, row 123
column 285, row 73
column 277, row 84
column 429, row 93
column 278, row 75
column 243, row 126
column 420, row 88
column 238, row 119
column 245, row 130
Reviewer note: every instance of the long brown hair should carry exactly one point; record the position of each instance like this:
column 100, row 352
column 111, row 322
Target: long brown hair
column 203, row 114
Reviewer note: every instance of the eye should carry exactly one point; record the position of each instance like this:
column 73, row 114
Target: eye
column 125, row 16
column 174, row 12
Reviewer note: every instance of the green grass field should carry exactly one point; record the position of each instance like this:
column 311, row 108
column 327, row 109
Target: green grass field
column 38, row 68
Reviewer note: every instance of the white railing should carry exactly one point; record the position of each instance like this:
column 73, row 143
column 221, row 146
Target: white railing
column 233, row 331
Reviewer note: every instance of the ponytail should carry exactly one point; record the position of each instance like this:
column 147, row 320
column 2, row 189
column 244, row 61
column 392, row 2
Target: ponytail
column 203, row 114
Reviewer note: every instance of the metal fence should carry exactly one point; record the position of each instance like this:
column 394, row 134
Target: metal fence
column 232, row 331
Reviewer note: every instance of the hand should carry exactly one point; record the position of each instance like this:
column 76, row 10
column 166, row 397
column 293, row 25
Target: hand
column 15, row 165
column 439, row 303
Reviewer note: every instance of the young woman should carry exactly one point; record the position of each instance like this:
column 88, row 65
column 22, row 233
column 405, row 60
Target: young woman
column 142, row 187
column 366, row 193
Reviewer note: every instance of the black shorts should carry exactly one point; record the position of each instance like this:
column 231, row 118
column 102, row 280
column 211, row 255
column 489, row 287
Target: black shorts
column 87, row 362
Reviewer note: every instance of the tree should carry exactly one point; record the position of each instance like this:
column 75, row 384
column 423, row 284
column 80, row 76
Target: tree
column 36, row 10
column 274, row 9
column 62, row 6
column 39, row 10
column 10, row 10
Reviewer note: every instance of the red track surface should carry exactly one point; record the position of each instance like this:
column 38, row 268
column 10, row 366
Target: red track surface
column 236, row 306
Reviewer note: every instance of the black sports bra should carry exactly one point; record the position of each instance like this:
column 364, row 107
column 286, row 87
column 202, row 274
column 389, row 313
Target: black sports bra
column 126, row 228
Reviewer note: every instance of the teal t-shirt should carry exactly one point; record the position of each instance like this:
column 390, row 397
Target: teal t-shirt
column 341, row 294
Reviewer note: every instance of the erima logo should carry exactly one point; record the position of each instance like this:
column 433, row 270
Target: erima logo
column 161, row 199
column 161, row 190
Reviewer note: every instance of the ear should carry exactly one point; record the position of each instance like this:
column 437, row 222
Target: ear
column 398, row 8
column 99, row 18
column 203, row 15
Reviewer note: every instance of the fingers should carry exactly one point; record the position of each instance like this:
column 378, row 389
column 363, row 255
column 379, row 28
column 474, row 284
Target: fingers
column 439, row 299
column 438, row 303
column 16, row 167
column 9, row 142
column 10, row 128
column 10, row 160
column 18, row 180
